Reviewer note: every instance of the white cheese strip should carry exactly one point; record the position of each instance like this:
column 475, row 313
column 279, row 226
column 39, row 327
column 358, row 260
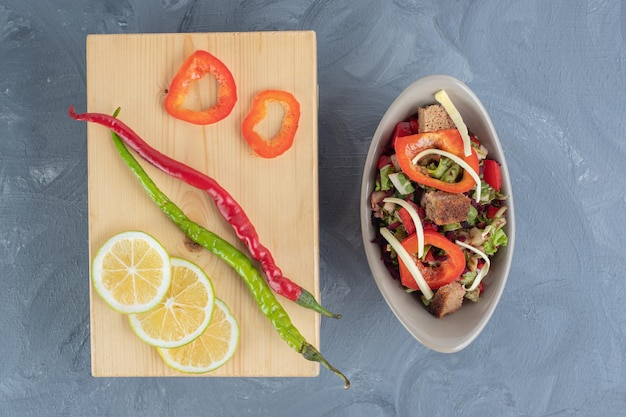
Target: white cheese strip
column 456, row 159
column 408, row 262
column 419, row 230
column 483, row 271
column 442, row 97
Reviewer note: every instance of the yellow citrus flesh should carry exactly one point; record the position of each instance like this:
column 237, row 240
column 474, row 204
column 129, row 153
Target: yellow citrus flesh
column 131, row 272
column 212, row 349
column 183, row 314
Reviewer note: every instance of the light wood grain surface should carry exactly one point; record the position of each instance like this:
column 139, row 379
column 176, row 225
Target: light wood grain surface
column 280, row 195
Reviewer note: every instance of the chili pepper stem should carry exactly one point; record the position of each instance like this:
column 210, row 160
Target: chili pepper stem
column 259, row 289
column 307, row 300
column 312, row 354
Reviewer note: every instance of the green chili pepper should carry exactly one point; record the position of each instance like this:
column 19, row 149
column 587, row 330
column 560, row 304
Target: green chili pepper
column 225, row 204
column 259, row 289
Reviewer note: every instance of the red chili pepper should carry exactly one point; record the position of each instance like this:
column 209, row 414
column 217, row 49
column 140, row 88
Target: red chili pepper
column 226, row 205
column 196, row 66
column 279, row 144
column 407, row 147
column 492, row 173
column 446, row 270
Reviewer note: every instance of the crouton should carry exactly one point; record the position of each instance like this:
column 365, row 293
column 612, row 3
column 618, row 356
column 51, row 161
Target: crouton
column 432, row 118
column 445, row 208
column 447, row 299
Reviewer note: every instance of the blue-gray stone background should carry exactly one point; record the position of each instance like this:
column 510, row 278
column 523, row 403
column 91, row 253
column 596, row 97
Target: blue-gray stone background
column 552, row 74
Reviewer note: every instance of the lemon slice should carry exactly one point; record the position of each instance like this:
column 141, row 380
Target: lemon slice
column 131, row 272
column 209, row 351
column 185, row 311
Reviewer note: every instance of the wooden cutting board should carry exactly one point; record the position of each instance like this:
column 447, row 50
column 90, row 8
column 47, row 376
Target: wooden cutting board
column 279, row 195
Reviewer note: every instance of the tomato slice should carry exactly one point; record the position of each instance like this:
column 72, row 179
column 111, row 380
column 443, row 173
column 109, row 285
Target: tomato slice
column 441, row 272
column 492, row 174
column 402, row 129
column 406, row 219
column 491, row 211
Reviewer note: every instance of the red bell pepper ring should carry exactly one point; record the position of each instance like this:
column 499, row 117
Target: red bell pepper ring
column 492, row 174
column 279, row 144
column 446, row 270
column 407, row 147
column 196, row 66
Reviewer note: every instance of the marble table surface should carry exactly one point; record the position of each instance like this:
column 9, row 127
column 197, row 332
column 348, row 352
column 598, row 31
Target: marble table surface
column 551, row 74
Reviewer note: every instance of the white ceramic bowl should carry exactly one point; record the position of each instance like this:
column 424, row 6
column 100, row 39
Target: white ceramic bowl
column 456, row 331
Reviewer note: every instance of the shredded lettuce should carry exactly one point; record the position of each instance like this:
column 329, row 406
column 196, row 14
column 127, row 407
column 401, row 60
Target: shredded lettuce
column 497, row 238
column 438, row 170
column 487, row 192
column 451, row 226
column 402, row 183
column 385, row 182
column 490, row 238
column 451, row 174
column 468, row 277
column 466, row 280
column 481, row 151
column 472, row 215
column 473, row 295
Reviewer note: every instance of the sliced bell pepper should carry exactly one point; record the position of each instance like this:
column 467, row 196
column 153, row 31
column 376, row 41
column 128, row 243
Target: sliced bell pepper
column 279, row 144
column 492, row 173
column 196, row 66
column 407, row 147
column 444, row 271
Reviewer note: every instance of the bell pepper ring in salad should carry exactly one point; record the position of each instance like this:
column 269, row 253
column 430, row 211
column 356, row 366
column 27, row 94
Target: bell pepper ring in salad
column 196, row 66
column 439, row 208
column 409, row 147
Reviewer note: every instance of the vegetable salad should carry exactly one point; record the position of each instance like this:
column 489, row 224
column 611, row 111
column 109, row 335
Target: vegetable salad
column 439, row 208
